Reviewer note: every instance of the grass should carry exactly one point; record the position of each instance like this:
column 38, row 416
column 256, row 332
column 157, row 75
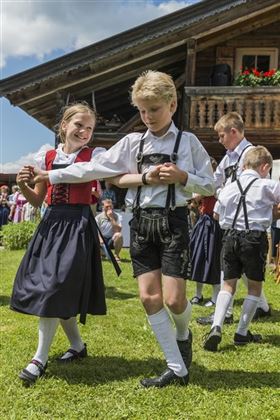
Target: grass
column 235, row 383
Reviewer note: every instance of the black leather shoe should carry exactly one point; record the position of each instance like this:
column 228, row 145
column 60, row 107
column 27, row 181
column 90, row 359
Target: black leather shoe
column 28, row 378
column 185, row 348
column 208, row 320
column 241, row 340
column 75, row 355
column 168, row 377
column 260, row 313
column 196, row 300
column 213, row 339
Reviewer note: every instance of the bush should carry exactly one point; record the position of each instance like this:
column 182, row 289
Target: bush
column 17, row 235
column 253, row 77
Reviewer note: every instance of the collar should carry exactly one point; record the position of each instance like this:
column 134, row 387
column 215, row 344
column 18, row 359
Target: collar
column 172, row 130
column 250, row 173
column 239, row 148
column 61, row 152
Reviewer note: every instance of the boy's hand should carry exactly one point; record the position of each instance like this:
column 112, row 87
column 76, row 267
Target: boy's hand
column 170, row 174
column 40, row 176
column 152, row 176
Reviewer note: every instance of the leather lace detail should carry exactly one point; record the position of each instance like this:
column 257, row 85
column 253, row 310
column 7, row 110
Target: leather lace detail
column 60, row 194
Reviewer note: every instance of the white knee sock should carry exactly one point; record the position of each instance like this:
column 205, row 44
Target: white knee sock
column 47, row 329
column 263, row 304
column 72, row 332
column 215, row 291
column 223, row 301
column 230, row 306
column 165, row 335
column 199, row 287
column 248, row 309
column 182, row 322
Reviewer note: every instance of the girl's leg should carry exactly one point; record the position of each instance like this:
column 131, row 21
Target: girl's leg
column 71, row 330
column 47, row 329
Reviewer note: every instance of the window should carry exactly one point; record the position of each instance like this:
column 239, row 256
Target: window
column 263, row 59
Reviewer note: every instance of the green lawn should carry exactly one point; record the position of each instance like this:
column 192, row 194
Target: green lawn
column 235, row 383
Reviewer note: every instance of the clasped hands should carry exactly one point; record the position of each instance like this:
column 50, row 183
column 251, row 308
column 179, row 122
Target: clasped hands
column 166, row 173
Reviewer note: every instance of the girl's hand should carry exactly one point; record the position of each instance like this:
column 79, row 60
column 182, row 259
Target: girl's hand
column 25, row 176
column 170, row 174
column 40, row 176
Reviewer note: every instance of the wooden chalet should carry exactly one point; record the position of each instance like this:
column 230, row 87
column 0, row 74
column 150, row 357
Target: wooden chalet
column 202, row 46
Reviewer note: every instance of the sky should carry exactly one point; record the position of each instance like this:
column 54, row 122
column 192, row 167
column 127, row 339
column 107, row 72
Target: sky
column 34, row 32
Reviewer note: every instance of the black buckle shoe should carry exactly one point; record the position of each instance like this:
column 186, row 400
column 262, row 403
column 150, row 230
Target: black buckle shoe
column 260, row 313
column 29, row 378
column 168, row 377
column 185, row 348
column 75, row 355
column 213, row 339
column 241, row 340
column 208, row 320
column 196, row 300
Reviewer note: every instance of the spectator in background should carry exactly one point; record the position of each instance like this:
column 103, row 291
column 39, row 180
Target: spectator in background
column 109, row 223
column 11, row 197
column 16, row 212
column 4, row 205
column 29, row 213
column 109, row 194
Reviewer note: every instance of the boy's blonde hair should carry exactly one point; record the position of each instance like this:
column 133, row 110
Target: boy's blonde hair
column 229, row 121
column 153, row 85
column 256, row 157
column 69, row 111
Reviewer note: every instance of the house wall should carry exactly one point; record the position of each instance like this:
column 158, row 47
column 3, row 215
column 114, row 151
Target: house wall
column 268, row 36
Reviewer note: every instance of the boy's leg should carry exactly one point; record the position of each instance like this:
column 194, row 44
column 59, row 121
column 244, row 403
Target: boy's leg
column 262, row 304
column 223, row 301
column 181, row 311
column 77, row 346
column 150, row 290
column 47, row 329
column 242, row 335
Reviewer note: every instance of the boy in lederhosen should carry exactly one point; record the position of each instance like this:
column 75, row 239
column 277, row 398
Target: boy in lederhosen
column 245, row 213
column 159, row 242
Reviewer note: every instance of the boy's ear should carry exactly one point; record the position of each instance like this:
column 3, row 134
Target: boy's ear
column 173, row 106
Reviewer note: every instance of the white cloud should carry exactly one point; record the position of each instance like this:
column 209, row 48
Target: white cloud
column 14, row 167
column 37, row 28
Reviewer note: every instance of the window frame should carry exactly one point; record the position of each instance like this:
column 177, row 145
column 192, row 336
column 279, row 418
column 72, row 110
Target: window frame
column 240, row 52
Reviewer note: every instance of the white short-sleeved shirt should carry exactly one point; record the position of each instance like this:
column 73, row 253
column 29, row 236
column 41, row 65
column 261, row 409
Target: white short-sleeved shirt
column 121, row 159
column 63, row 158
column 260, row 198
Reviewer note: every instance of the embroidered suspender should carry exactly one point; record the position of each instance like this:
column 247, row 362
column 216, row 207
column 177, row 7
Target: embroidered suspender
column 171, row 187
column 242, row 202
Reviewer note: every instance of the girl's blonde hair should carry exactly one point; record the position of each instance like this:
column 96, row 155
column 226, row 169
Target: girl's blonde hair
column 256, row 157
column 229, row 121
column 153, row 85
column 69, row 111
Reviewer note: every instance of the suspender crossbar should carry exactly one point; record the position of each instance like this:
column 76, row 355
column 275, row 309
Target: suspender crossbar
column 242, row 202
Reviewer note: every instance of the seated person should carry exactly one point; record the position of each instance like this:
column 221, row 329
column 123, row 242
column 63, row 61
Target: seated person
column 109, row 223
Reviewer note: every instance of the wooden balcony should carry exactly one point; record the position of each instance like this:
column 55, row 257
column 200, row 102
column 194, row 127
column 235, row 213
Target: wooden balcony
column 259, row 107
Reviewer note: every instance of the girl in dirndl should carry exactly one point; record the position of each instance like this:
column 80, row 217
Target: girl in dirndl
column 60, row 275
column 205, row 248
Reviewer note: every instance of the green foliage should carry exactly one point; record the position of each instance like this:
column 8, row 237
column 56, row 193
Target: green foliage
column 17, row 235
column 254, row 78
column 234, row 384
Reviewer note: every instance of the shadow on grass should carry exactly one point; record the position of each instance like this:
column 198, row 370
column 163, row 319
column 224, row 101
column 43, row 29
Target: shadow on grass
column 114, row 293
column 5, row 300
column 103, row 370
column 232, row 379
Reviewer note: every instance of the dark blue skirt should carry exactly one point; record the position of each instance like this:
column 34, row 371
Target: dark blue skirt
column 60, row 274
column 205, row 248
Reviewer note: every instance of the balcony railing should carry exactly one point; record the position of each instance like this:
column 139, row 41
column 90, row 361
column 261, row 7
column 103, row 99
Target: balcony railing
column 259, row 107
